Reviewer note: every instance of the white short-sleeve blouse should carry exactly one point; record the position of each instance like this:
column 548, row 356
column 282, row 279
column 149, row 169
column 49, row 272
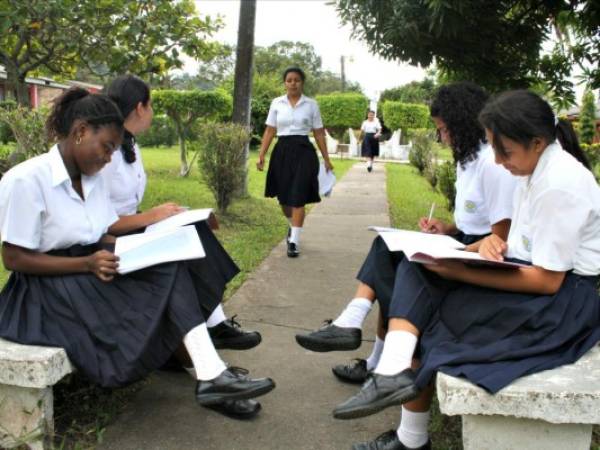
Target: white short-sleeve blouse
column 290, row 120
column 556, row 220
column 40, row 210
column 125, row 182
column 371, row 126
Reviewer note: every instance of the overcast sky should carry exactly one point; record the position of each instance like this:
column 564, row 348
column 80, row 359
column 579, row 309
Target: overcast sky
column 317, row 23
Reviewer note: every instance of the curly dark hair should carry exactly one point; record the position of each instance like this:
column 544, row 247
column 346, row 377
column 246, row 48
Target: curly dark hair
column 458, row 106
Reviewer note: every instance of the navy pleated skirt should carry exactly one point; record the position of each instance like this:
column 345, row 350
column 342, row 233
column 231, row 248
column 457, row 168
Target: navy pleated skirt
column 493, row 337
column 293, row 172
column 370, row 146
column 116, row 332
column 378, row 271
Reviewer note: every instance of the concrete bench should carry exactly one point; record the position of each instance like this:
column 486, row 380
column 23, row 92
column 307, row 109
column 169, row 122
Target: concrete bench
column 550, row 410
column 27, row 374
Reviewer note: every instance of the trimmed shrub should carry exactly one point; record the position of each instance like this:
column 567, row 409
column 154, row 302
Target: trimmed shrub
column 341, row 111
column 405, row 115
column 446, row 176
column 6, row 134
column 221, row 149
column 587, row 118
column 422, row 152
column 28, row 128
column 162, row 132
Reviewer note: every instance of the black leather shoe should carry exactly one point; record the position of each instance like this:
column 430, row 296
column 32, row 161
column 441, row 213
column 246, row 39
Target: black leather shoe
column 369, row 169
column 356, row 372
column 232, row 384
column 229, row 334
column 331, row 338
column 379, row 392
column 388, row 441
column 237, row 409
column 289, row 235
column 292, row 250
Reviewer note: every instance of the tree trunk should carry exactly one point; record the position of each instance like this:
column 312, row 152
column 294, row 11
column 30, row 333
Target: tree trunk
column 184, row 169
column 242, row 89
column 16, row 86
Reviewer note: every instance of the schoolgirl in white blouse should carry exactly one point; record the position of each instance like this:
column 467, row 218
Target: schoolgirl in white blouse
column 294, row 167
column 64, row 289
column 370, row 131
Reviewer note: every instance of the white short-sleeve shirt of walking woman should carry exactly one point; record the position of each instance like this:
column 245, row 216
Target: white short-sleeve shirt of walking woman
column 126, row 182
column 294, row 120
column 556, row 222
column 371, row 126
column 40, row 210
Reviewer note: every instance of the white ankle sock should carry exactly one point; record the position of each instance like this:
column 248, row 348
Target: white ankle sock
column 205, row 358
column 217, row 316
column 373, row 358
column 295, row 237
column 397, row 352
column 369, row 163
column 412, row 431
column 354, row 314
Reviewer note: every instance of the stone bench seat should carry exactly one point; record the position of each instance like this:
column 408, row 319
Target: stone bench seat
column 27, row 374
column 553, row 409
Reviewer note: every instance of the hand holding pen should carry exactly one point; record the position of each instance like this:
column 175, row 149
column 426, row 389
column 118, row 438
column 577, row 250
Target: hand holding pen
column 431, row 225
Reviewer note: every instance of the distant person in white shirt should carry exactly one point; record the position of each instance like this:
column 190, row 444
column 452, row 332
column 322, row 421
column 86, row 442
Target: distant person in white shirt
column 370, row 131
column 294, row 166
column 125, row 179
column 494, row 326
column 64, row 289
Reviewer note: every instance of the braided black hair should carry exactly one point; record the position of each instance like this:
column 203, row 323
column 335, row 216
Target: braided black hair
column 458, row 106
column 97, row 110
column 128, row 91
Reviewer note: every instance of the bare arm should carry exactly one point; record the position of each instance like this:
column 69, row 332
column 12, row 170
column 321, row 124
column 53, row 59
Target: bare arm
column 500, row 229
column 102, row 263
column 126, row 224
column 319, row 134
column 264, row 146
column 532, row 280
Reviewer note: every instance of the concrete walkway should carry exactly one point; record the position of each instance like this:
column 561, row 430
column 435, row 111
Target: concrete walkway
column 284, row 296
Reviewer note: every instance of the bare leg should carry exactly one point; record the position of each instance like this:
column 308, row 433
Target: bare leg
column 381, row 329
column 365, row 291
column 297, row 215
column 287, row 211
column 398, row 324
column 423, row 402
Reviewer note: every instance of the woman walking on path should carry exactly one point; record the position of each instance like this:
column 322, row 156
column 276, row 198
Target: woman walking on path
column 64, row 289
column 370, row 131
column 293, row 171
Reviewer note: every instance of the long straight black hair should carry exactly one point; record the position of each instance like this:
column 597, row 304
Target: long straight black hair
column 127, row 91
column 522, row 116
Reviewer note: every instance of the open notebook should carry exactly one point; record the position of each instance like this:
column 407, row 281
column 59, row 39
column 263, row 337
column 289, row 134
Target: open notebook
column 183, row 218
column 141, row 250
column 429, row 248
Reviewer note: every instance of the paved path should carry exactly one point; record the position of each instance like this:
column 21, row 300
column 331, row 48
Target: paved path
column 282, row 297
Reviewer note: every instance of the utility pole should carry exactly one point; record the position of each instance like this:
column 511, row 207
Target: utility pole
column 343, row 73
column 242, row 88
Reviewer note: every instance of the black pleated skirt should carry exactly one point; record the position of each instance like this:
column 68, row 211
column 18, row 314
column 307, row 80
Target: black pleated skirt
column 493, row 337
column 293, row 172
column 116, row 332
column 370, row 146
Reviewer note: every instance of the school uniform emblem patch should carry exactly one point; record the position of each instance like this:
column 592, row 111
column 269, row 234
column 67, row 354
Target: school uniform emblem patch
column 470, row 206
column 526, row 242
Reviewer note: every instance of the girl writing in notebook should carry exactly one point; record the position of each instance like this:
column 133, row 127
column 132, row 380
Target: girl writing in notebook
column 483, row 206
column 493, row 326
column 64, row 290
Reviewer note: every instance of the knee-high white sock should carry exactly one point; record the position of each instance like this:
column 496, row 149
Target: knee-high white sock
column 373, row 358
column 217, row 316
column 397, row 352
column 354, row 314
column 295, row 237
column 205, row 358
column 412, row 431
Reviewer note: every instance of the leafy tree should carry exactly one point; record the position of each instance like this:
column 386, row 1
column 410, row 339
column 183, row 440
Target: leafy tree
column 495, row 43
column 211, row 74
column 587, row 118
column 184, row 108
column 413, row 92
column 143, row 37
column 283, row 54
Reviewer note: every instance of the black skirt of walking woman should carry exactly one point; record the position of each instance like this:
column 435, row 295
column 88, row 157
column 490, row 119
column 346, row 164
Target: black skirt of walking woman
column 116, row 332
column 293, row 172
column 370, row 146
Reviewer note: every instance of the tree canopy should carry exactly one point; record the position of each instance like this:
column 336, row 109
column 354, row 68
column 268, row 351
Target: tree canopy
column 495, row 43
column 107, row 37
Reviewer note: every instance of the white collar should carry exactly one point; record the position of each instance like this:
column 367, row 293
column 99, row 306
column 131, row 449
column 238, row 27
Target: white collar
column 545, row 157
column 60, row 174
column 285, row 99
